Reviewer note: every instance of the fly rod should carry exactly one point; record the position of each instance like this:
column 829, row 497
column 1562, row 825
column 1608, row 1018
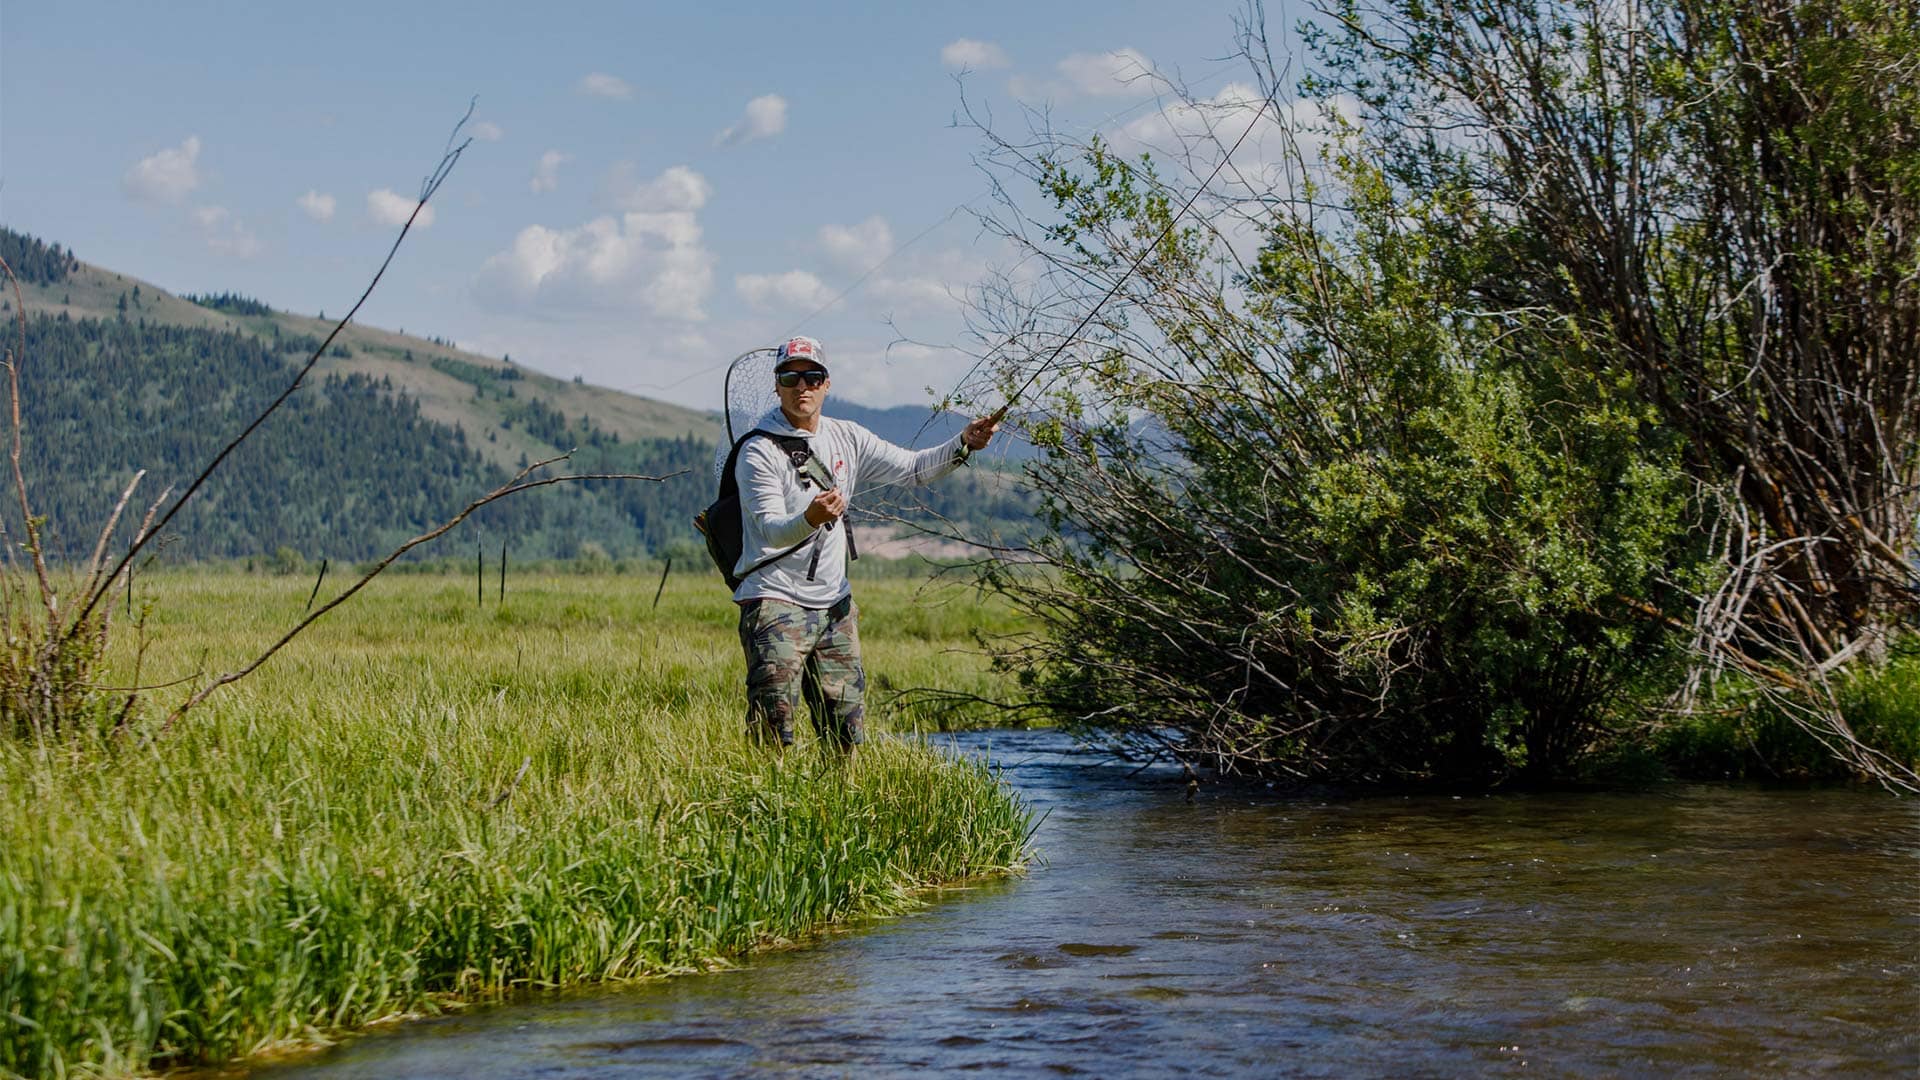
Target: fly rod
column 1001, row 413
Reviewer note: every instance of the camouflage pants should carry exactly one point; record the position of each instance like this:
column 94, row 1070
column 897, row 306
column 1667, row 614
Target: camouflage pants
column 794, row 651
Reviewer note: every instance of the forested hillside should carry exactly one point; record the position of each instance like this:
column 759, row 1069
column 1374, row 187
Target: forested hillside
column 390, row 436
column 347, row 469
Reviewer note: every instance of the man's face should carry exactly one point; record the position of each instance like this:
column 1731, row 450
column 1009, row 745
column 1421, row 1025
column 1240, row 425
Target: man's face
column 802, row 401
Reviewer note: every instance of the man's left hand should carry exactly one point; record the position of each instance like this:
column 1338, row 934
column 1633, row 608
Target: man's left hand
column 979, row 433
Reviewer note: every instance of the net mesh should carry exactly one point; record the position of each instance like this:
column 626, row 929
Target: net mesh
column 749, row 395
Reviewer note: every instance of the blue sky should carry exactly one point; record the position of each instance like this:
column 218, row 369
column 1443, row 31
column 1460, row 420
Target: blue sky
column 651, row 188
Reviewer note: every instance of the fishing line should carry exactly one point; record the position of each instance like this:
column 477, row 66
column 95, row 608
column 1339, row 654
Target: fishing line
column 862, row 279
column 949, row 215
column 1001, row 413
column 842, row 295
column 943, row 219
column 1158, row 99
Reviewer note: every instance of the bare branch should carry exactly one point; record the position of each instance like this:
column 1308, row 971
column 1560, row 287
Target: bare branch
column 106, row 533
column 517, row 484
column 13, row 360
column 428, row 188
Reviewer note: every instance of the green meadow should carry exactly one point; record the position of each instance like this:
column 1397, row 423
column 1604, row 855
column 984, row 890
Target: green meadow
column 425, row 801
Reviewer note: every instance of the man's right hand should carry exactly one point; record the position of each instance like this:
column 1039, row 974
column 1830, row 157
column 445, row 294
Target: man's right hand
column 826, row 506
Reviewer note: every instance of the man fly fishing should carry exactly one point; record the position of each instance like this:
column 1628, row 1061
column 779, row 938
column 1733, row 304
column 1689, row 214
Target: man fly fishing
column 796, row 474
column 797, row 478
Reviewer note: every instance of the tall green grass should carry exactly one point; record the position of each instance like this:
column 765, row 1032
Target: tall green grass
column 1749, row 737
column 424, row 801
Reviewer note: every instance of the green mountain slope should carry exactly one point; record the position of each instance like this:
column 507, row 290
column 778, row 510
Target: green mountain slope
column 391, row 435
column 453, row 386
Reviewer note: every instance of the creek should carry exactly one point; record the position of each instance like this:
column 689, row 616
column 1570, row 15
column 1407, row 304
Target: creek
column 1683, row 929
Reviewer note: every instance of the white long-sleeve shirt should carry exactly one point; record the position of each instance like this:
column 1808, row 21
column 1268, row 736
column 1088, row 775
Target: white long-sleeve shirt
column 773, row 505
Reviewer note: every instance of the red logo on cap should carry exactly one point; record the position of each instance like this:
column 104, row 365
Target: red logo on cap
column 799, row 347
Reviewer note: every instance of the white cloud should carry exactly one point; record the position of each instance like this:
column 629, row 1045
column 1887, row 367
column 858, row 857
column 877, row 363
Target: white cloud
column 224, row 234
column 168, row 176
column 1118, row 73
column 1201, row 130
column 968, row 53
column 918, row 292
column 929, row 286
column 793, row 289
column 766, row 116
column 318, row 206
column 488, row 131
column 644, row 261
column 678, row 188
column 882, row 373
column 387, row 207
column 858, row 247
column 546, row 175
column 1282, row 146
column 632, row 305
column 602, row 85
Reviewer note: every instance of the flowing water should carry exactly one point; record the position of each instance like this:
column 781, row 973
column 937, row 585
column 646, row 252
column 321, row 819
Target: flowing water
column 1690, row 929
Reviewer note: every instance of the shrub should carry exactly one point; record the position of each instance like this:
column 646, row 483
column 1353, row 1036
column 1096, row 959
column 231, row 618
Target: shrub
column 1346, row 525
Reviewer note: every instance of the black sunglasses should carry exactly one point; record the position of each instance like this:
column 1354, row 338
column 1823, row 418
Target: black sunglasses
column 791, row 379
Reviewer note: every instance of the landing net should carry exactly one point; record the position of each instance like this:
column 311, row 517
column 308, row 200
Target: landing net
column 749, row 395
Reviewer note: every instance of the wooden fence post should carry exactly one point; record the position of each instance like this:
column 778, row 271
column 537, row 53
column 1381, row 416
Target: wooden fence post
column 664, row 571
column 316, row 584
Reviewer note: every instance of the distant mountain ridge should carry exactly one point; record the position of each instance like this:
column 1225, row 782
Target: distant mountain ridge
column 392, row 433
column 453, row 385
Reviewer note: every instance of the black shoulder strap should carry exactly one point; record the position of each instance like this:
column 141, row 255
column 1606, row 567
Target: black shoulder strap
column 730, row 488
column 798, row 450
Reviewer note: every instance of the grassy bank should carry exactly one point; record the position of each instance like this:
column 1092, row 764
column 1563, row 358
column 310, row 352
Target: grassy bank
column 1741, row 735
column 424, row 800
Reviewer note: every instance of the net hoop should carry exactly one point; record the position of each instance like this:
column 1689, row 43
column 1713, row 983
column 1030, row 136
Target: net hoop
column 748, row 395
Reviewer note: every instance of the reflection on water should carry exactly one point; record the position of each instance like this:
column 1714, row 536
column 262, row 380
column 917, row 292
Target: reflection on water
column 1693, row 929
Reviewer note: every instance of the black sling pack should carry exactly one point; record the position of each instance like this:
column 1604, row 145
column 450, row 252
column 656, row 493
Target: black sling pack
column 723, row 526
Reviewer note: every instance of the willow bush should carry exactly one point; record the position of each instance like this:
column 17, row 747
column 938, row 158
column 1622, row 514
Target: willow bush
column 1534, row 349
column 1723, row 195
column 1350, row 529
